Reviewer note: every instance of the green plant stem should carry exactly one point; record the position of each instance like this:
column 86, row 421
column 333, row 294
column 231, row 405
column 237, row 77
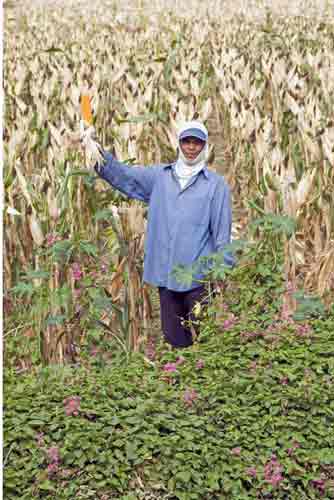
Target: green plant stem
column 7, row 456
column 17, row 328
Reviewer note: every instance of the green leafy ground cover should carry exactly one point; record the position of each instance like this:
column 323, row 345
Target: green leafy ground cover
column 247, row 412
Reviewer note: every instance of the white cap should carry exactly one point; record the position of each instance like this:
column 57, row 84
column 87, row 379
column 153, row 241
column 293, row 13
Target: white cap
column 193, row 129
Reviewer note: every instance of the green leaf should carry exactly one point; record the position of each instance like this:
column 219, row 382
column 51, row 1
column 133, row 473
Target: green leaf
column 89, row 248
column 30, row 275
column 56, row 320
column 52, row 50
column 185, row 476
column 46, row 485
column 22, row 289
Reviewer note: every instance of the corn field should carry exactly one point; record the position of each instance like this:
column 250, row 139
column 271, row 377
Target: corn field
column 261, row 78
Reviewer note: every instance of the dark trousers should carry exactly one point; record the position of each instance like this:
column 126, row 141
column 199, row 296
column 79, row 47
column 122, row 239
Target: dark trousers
column 175, row 306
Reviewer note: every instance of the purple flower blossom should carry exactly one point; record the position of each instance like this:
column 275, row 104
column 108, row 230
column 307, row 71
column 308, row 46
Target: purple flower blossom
column 251, row 471
column 190, row 396
column 276, row 479
column 236, row 451
column 52, row 238
column 94, row 350
column 273, row 471
column 72, row 405
column 104, row 268
column 200, row 364
column 320, row 485
column 286, row 314
column 303, row 330
column 227, row 323
column 53, row 455
column 76, row 271
column 251, row 335
column 52, row 468
column 170, row 367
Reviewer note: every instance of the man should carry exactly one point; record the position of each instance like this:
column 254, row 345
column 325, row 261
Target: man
column 189, row 217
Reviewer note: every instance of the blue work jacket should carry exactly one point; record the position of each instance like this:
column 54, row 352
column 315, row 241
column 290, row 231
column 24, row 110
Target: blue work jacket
column 183, row 224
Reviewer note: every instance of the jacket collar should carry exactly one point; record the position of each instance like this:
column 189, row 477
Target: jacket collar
column 204, row 170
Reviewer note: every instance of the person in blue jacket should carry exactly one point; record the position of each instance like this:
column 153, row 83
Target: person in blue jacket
column 189, row 217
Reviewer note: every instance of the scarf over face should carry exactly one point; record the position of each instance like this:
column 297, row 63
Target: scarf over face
column 186, row 169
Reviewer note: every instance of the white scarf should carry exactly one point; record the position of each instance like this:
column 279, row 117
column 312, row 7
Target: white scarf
column 186, row 169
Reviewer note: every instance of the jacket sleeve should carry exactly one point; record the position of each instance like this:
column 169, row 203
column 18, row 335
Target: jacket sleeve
column 221, row 221
column 135, row 181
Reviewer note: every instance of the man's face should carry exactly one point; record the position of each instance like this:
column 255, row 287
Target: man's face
column 191, row 147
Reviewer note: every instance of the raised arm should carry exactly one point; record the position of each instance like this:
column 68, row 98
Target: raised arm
column 135, row 181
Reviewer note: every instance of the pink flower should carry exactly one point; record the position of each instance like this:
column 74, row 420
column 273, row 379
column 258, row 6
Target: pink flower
column 273, row 471
column 303, row 330
column 276, row 479
column 200, row 364
column 94, row 350
column 229, row 322
column 251, row 335
column 76, row 271
column 170, row 367
column 190, row 396
column 180, row 360
column 72, row 405
column 52, row 468
column 320, row 485
column 53, row 455
column 52, row 238
column 236, row 451
column 286, row 313
column 284, row 381
column 251, row 471
column 104, row 268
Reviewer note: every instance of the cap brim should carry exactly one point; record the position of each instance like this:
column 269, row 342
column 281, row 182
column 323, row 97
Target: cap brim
column 193, row 132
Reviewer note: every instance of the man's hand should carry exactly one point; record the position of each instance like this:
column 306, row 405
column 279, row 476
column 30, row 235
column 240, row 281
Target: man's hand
column 93, row 150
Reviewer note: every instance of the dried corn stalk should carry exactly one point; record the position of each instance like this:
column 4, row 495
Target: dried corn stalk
column 252, row 100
